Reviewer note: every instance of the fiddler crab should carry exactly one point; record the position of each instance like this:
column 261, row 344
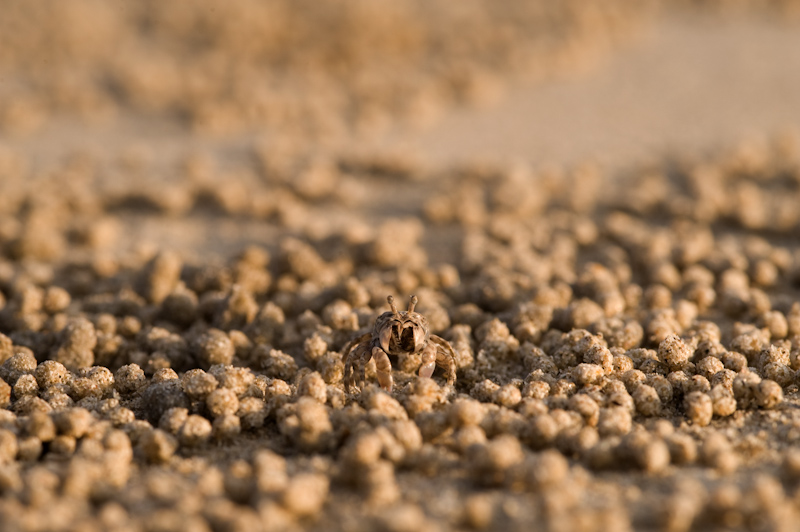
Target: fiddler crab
column 397, row 333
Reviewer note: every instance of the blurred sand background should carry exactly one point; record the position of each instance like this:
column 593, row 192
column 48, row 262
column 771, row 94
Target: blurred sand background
column 620, row 86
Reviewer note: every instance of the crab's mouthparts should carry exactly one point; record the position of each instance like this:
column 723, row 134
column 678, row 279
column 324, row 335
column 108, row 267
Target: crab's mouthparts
column 407, row 339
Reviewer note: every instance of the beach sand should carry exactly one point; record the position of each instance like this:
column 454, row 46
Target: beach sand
column 596, row 206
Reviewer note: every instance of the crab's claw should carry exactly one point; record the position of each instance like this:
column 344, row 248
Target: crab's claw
column 426, row 370
column 385, row 337
column 419, row 338
column 428, row 361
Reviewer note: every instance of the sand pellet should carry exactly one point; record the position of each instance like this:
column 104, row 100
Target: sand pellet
column 214, row 347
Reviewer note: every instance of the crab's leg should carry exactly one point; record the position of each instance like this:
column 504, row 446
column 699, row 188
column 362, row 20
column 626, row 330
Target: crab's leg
column 364, row 353
column 445, row 357
column 349, row 372
column 352, row 343
column 428, row 361
column 353, row 359
column 383, row 367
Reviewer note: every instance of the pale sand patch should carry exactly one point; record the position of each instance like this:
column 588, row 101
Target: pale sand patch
column 690, row 85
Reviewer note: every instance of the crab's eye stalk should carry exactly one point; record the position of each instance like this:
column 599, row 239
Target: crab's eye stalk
column 412, row 303
column 390, row 299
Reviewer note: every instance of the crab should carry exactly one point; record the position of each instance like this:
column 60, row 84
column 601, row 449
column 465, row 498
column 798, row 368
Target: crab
column 397, row 333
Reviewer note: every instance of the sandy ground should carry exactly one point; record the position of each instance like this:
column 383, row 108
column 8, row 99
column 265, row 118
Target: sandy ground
column 687, row 84
column 609, row 246
column 690, row 85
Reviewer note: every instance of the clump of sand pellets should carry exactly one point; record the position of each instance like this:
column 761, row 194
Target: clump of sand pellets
column 613, row 370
